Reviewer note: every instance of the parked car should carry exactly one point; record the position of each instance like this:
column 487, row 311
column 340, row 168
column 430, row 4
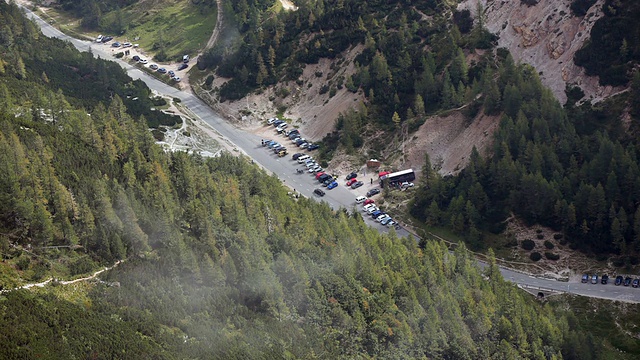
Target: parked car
column 116, row 44
column 357, row 184
column 106, row 39
column 627, row 281
column 296, row 156
column 319, row 174
column 162, row 71
column 304, row 145
column 313, row 146
column 271, row 120
column 182, row 67
column 351, row 181
column 605, row 279
column 99, row 38
column 361, row 199
column 390, row 223
column 332, row 185
column 386, row 220
column 635, row 283
column 376, row 213
column 324, row 177
column 373, row 191
column 585, row 278
column 318, row 192
column 136, row 58
column 153, row 67
column 177, row 78
column 406, row 185
column 171, row 73
column 373, row 209
column 368, row 201
column 126, row 44
column 327, row 182
column 277, row 122
column 382, row 216
column 282, row 153
column 594, row 279
column 618, row 280
column 352, row 175
column 367, row 207
column 143, row 61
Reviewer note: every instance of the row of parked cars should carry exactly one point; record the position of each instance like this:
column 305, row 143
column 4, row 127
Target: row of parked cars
column 620, row 280
column 292, row 134
column 369, row 207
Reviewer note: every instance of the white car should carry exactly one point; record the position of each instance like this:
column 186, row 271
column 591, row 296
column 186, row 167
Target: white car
column 177, row 78
column 368, row 206
column 99, row 38
column 382, row 217
column 302, row 159
column 372, row 209
column 406, row 185
column 126, row 45
column 360, row 199
column 270, row 121
column 143, row 61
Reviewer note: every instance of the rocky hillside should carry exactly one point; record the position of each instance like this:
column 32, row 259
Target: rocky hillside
column 545, row 35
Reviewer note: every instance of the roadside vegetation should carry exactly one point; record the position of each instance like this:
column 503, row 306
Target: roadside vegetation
column 168, row 29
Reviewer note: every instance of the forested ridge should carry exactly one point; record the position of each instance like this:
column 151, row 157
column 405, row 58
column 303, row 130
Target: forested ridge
column 572, row 168
column 222, row 263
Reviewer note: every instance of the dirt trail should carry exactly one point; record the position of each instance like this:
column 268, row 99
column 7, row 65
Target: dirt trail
column 64, row 282
column 216, row 30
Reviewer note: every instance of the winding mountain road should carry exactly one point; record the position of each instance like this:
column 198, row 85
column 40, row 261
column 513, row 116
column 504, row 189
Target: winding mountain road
column 249, row 144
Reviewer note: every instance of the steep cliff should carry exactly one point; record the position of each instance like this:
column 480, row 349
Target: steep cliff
column 545, row 35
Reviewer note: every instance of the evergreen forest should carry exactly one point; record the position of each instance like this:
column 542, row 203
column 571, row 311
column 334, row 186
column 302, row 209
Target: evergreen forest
column 572, row 167
column 219, row 261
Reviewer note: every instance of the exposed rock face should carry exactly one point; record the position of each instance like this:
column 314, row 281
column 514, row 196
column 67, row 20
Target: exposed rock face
column 545, row 35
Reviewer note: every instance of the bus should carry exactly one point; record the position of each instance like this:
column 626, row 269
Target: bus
column 398, row 177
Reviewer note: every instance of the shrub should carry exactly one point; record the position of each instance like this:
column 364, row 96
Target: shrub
column 551, row 256
column 177, row 100
column 633, row 260
column 208, row 81
column 548, row 244
column 318, row 73
column 538, row 231
column 618, row 262
column 528, row 244
column 540, row 236
column 324, row 89
column 557, row 236
column 535, row 256
column 119, row 55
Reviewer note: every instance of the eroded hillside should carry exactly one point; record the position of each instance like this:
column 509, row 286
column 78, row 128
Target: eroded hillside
column 545, row 35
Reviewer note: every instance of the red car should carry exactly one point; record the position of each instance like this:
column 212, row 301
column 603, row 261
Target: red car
column 368, row 201
column 319, row 174
column 351, row 181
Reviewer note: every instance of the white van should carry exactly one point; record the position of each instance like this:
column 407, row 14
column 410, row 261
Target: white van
column 360, row 199
column 302, row 159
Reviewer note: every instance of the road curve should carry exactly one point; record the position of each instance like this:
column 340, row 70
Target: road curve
column 284, row 168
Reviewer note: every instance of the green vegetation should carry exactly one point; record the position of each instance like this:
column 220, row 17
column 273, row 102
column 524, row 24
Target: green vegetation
column 169, row 28
column 221, row 262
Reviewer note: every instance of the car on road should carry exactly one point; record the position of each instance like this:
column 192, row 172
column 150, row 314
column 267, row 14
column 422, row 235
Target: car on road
column 372, row 192
column 313, row 146
column 618, row 280
column 605, row 279
column 594, row 279
column 635, row 283
column 627, row 281
column 333, row 184
column 585, row 278
column 352, row 175
column 162, row 70
column 318, row 192
column 361, row 199
column 357, row 184
column 351, row 181
column 153, row 67
column 182, row 67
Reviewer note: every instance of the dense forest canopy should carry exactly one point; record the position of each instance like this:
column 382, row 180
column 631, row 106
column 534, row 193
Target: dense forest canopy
column 574, row 169
column 221, row 262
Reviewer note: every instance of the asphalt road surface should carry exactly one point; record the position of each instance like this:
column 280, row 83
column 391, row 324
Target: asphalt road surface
column 284, row 168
